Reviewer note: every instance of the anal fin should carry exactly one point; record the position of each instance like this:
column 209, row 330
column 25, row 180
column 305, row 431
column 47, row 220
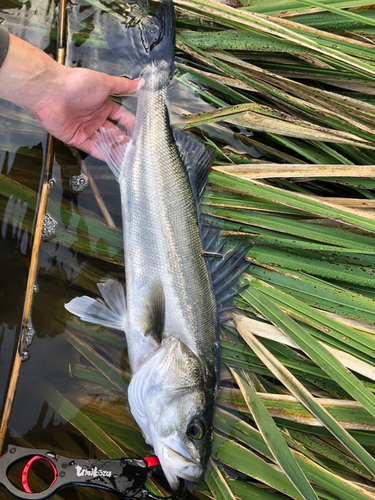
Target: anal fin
column 112, row 143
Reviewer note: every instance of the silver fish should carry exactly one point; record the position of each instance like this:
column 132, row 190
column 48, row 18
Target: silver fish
column 170, row 316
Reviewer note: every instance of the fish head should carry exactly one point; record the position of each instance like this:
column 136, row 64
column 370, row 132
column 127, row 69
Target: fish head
column 174, row 409
column 181, row 436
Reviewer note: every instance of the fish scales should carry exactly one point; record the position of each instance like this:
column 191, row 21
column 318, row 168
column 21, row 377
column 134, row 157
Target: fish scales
column 170, row 315
column 162, row 235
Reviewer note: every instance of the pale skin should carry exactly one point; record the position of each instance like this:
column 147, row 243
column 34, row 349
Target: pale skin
column 70, row 103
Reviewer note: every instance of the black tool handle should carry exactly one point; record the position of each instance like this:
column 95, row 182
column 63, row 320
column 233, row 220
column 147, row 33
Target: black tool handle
column 125, row 477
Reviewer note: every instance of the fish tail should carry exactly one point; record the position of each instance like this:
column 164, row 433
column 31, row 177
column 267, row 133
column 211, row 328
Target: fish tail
column 152, row 41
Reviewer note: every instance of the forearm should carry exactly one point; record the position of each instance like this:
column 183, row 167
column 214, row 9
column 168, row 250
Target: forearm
column 27, row 74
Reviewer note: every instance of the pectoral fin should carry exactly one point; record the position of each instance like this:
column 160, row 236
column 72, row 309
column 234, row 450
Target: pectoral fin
column 111, row 313
column 154, row 311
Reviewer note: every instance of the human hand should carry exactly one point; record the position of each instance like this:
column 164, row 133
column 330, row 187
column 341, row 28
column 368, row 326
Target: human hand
column 79, row 106
column 70, row 103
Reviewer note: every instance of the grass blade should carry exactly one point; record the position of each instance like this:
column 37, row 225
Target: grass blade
column 300, row 392
column 274, row 439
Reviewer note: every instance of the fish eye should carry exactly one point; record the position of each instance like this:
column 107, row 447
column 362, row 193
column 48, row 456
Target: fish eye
column 196, row 429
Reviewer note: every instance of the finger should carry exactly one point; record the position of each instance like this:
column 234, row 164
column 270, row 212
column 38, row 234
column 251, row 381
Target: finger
column 89, row 147
column 90, row 144
column 115, row 139
column 122, row 116
column 120, row 85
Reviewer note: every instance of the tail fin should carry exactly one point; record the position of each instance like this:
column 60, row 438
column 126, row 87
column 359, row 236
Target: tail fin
column 152, row 39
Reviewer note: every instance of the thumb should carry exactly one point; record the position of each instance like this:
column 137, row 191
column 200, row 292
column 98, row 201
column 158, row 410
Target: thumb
column 120, row 85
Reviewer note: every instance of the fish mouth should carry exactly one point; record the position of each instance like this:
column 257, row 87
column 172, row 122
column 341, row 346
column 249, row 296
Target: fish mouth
column 178, row 464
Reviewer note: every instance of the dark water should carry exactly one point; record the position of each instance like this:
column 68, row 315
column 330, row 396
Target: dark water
column 60, row 376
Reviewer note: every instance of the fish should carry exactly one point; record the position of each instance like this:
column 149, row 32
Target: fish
column 179, row 280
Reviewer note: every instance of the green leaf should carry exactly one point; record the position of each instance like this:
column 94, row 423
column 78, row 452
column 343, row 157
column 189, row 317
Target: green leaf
column 103, row 365
column 83, row 423
column 303, row 394
column 247, row 462
column 274, row 439
column 318, row 293
column 216, row 482
column 309, row 204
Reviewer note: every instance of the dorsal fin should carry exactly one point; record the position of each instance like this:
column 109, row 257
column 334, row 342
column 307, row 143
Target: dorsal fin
column 225, row 270
column 198, row 159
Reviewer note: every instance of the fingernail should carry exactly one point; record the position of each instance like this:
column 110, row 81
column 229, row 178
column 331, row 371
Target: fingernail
column 141, row 82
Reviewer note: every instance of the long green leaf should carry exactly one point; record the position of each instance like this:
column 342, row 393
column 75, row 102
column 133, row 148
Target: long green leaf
column 83, row 423
column 274, row 439
column 319, row 293
column 307, row 399
column 244, row 460
column 314, row 350
column 217, row 484
column 324, row 209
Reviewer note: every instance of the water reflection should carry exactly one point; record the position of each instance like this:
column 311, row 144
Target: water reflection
column 31, row 20
column 22, row 151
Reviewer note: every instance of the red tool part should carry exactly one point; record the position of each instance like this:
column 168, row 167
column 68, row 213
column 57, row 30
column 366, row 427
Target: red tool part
column 26, row 470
